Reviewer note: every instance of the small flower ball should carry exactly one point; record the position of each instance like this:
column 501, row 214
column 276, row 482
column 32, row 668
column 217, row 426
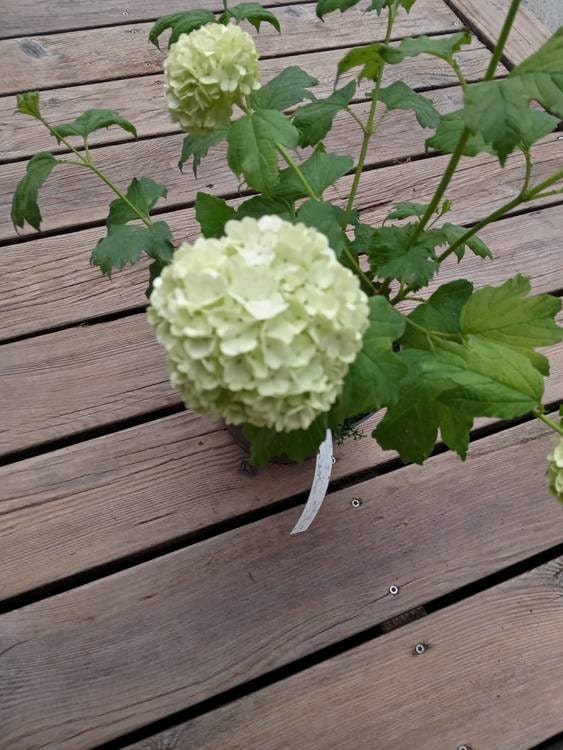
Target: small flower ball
column 206, row 73
column 261, row 325
column 555, row 471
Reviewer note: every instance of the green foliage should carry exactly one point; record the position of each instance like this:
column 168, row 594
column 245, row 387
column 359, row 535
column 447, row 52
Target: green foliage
column 499, row 111
column 90, row 121
column 179, row 23
column 297, row 445
column 448, row 133
column 24, row 200
column 407, row 209
column 368, row 58
column 440, row 313
column 288, row 88
column 260, row 206
column 198, row 145
column 326, row 218
column 378, row 5
column 142, row 195
column 252, row 150
column 452, row 233
column 254, row 13
column 392, row 255
column 314, row 120
column 125, row 244
column 508, row 316
column 212, row 214
column 373, row 378
column 321, row 170
column 28, row 104
column 400, row 96
column 329, row 6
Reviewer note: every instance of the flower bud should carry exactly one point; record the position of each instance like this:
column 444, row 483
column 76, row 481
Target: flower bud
column 206, row 73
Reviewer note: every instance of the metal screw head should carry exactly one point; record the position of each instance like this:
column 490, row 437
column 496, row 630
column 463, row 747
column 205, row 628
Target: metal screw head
column 356, row 502
column 332, row 460
column 420, row 648
column 464, row 747
column 457, row 23
column 393, row 590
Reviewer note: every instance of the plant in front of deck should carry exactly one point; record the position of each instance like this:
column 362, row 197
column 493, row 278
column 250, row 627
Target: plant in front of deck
column 288, row 314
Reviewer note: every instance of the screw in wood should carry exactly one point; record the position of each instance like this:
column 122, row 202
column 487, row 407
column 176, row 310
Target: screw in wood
column 393, row 590
column 464, row 747
column 356, row 502
column 420, row 648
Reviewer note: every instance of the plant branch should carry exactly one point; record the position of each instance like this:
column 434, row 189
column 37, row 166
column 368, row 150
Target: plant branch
column 354, row 265
column 87, row 164
column 369, row 128
column 549, row 422
column 300, row 176
column 428, row 332
column 355, row 117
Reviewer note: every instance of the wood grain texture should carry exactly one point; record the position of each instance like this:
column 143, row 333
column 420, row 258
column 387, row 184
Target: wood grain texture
column 157, row 638
column 527, row 35
column 490, row 678
column 141, row 100
column 73, row 509
column 73, row 196
column 57, row 59
column 21, row 17
column 49, row 283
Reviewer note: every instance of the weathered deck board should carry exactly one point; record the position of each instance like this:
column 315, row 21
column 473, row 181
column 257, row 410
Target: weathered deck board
column 65, row 289
column 489, row 679
column 59, row 515
column 526, row 36
column 60, row 59
column 64, row 204
column 212, row 615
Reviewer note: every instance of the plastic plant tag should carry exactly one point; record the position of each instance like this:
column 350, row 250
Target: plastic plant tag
column 323, row 470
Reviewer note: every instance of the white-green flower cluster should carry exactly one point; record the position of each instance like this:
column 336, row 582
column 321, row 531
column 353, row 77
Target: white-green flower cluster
column 261, row 325
column 206, row 73
column 555, row 471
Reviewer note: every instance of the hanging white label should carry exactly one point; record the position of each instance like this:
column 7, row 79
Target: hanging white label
column 323, row 470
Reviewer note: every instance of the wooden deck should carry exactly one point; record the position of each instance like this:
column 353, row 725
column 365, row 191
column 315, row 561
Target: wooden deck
column 151, row 595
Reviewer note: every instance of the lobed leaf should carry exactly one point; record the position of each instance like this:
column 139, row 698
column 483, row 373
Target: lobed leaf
column 179, row 23
column 212, row 214
column 197, row 145
column 28, row 104
column 320, row 169
column 297, row 445
column 285, row 90
column 125, row 244
column 326, row 218
column 400, row 96
column 315, row 120
column 92, row 120
column 254, row 13
column 24, row 200
column 143, row 193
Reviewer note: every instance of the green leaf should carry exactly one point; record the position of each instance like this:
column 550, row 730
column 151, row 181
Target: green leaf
column 285, row 90
column 452, row 233
column 507, row 315
column 326, row 218
column 197, row 145
column 373, row 378
column 297, row 445
column 315, row 120
column 362, row 238
column 441, row 313
column 258, row 206
column 179, row 23
column 155, row 269
column 254, row 13
column 368, row 57
column 320, row 169
column 448, row 132
column 391, row 256
column 212, row 214
column 400, row 96
column 143, row 193
column 92, row 120
column 126, row 243
column 443, row 47
column 378, row 5
column 406, row 210
column 252, row 148
column 24, row 200
column 329, row 6
column 28, row 104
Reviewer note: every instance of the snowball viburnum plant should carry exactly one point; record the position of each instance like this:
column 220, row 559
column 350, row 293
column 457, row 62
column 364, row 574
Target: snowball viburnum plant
column 288, row 314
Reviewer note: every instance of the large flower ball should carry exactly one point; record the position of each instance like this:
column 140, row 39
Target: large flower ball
column 555, row 471
column 261, row 325
column 206, row 73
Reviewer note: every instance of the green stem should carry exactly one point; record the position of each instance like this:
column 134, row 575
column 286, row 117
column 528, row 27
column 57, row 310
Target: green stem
column 354, row 265
column 549, row 422
column 85, row 162
column 428, row 332
column 300, row 176
column 505, row 31
column 355, row 117
column 464, row 137
column 369, row 128
column 538, row 189
column 459, row 73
